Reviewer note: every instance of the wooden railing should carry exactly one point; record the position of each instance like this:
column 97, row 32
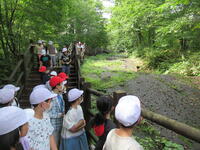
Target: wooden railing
column 178, row 127
column 21, row 71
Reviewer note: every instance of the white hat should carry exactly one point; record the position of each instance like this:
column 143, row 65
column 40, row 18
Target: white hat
column 39, row 41
column 43, row 52
column 39, row 86
column 11, row 86
column 64, row 50
column 6, row 95
column 53, row 73
column 128, row 110
column 50, row 43
column 74, row 94
column 64, row 82
column 40, row 95
column 12, row 117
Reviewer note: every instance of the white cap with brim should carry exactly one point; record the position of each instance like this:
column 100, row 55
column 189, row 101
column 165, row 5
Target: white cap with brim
column 40, row 95
column 64, row 50
column 39, row 41
column 12, row 117
column 128, row 110
column 50, row 43
column 6, row 95
column 53, row 73
column 39, row 86
column 74, row 94
column 11, row 86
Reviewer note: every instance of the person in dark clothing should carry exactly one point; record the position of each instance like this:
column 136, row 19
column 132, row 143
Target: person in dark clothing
column 45, row 59
column 102, row 123
column 66, row 60
column 44, row 74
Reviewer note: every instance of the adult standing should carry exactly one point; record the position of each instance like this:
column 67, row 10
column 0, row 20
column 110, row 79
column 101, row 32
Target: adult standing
column 52, row 52
column 39, row 47
column 66, row 60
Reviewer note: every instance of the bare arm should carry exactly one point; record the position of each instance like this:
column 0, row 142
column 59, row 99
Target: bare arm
column 53, row 145
column 81, row 124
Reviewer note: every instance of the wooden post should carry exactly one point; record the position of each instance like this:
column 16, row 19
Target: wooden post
column 116, row 96
column 25, row 68
column 87, row 100
column 86, row 106
column 82, row 81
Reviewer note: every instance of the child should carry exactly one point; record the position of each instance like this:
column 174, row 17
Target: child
column 44, row 74
column 73, row 133
column 45, row 59
column 56, row 112
column 52, row 74
column 66, row 60
column 40, row 129
column 6, row 97
column 16, row 89
column 102, row 123
column 14, row 127
column 128, row 114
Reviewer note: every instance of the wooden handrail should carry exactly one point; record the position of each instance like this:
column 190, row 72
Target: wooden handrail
column 15, row 70
column 173, row 125
column 178, row 127
column 95, row 92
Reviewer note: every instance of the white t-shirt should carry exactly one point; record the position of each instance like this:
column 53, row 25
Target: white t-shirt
column 73, row 116
column 39, row 133
column 116, row 142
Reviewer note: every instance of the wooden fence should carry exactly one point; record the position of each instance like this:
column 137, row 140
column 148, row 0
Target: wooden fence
column 21, row 71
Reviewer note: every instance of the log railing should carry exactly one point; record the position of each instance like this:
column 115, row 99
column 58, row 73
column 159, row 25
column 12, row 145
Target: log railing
column 21, row 71
column 176, row 126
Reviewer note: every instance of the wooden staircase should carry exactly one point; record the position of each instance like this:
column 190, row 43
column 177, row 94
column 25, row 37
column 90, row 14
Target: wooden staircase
column 34, row 79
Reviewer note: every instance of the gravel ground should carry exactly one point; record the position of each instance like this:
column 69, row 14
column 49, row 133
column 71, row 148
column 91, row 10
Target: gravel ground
column 169, row 96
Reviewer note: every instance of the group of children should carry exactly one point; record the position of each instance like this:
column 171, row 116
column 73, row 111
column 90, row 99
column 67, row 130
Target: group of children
column 49, row 126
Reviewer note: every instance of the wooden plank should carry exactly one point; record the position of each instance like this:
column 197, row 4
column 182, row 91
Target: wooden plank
column 15, row 70
column 95, row 92
column 19, row 78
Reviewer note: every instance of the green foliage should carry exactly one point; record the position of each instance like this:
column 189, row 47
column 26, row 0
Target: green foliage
column 159, row 31
column 104, row 73
column 152, row 140
column 189, row 66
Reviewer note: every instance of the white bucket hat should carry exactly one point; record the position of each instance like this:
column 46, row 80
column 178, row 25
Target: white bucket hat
column 40, row 95
column 74, row 94
column 50, row 43
column 12, row 117
column 128, row 110
column 11, row 86
column 6, row 95
column 64, row 50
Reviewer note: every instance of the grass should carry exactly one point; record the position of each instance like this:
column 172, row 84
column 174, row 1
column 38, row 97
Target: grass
column 105, row 71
